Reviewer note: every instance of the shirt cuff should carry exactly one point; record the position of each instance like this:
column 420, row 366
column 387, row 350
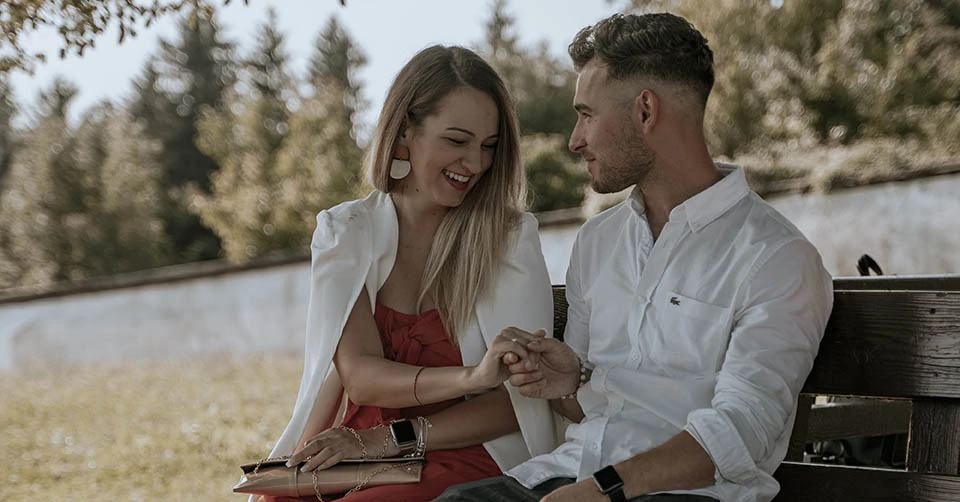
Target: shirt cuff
column 717, row 435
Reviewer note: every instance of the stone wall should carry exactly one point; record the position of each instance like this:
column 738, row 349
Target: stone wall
column 908, row 227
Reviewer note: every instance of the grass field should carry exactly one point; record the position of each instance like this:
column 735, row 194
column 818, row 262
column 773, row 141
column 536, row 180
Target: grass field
column 171, row 431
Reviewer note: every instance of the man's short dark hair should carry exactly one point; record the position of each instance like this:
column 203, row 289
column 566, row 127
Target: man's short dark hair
column 661, row 46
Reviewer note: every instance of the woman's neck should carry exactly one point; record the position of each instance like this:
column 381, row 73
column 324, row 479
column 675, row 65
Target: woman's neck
column 413, row 214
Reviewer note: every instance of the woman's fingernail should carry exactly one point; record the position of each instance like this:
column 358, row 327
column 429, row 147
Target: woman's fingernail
column 303, row 468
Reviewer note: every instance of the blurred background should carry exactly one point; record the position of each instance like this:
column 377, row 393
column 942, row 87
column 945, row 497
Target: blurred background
column 157, row 196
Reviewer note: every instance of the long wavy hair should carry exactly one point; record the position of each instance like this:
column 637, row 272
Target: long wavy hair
column 472, row 238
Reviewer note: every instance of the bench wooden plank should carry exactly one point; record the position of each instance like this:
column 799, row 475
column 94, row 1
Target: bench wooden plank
column 819, row 483
column 950, row 282
column 858, row 418
column 901, row 344
column 934, row 442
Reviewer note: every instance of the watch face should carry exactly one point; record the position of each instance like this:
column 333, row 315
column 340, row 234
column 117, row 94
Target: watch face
column 607, row 479
column 403, row 432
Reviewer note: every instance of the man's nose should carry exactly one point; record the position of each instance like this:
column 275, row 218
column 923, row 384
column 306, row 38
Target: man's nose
column 577, row 141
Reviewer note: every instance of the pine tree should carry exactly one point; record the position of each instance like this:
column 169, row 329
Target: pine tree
column 333, row 69
column 8, row 112
column 245, row 142
column 338, row 58
column 83, row 203
column 183, row 79
column 41, row 208
column 542, row 88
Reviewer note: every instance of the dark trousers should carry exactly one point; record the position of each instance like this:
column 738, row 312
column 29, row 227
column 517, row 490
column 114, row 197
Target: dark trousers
column 507, row 489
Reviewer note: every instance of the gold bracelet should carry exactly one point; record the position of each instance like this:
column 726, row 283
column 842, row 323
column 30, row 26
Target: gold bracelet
column 415, row 378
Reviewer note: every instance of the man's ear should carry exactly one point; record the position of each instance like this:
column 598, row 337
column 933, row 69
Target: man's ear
column 647, row 109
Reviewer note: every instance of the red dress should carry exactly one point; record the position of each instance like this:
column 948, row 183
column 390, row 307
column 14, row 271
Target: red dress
column 418, row 340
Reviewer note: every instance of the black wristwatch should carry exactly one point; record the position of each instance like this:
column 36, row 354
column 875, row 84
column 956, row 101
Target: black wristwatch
column 403, row 434
column 609, row 483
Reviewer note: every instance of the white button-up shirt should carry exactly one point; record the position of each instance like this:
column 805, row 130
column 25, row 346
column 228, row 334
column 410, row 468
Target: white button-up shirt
column 712, row 329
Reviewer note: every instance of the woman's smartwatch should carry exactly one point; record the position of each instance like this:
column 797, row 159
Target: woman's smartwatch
column 609, row 483
column 403, row 434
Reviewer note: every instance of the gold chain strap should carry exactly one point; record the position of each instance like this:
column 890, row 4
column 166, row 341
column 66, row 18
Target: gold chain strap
column 385, row 468
column 262, row 460
column 363, row 447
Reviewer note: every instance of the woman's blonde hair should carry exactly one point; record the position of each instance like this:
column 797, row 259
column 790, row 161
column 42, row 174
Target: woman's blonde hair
column 472, row 238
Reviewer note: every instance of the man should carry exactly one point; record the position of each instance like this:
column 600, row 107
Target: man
column 695, row 309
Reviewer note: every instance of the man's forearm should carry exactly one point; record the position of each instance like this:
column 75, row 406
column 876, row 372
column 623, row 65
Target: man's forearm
column 679, row 464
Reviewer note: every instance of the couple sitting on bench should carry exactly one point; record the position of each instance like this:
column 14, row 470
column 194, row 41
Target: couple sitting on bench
column 695, row 309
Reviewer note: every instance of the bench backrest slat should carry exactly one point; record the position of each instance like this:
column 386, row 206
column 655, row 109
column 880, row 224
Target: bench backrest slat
column 890, row 344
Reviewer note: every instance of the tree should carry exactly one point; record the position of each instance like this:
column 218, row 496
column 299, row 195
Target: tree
column 338, row 58
column 187, row 76
column 554, row 180
column 834, row 72
column 542, row 88
column 283, row 156
column 8, row 112
column 122, row 195
column 81, row 22
column 79, row 203
column 333, row 68
column 244, row 139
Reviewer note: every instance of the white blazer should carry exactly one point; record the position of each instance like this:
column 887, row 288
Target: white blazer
column 355, row 246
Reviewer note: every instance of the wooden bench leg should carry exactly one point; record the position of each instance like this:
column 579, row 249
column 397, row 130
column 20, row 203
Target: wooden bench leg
column 934, row 443
column 798, row 437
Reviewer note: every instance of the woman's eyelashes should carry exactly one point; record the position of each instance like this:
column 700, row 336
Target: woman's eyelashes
column 462, row 142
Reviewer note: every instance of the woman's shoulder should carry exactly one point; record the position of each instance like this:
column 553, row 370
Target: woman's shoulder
column 349, row 218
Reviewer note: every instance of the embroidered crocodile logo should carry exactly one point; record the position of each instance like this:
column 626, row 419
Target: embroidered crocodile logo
column 674, row 300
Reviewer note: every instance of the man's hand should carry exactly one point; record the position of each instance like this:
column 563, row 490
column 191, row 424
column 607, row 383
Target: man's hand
column 584, row 491
column 550, row 370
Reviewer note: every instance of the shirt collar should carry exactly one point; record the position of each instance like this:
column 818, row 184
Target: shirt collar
column 713, row 202
column 708, row 205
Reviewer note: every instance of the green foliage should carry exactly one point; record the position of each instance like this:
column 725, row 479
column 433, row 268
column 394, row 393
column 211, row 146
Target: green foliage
column 542, row 89
column 7, row 113
column 830, row 72
column 338, row 57
column 80, row 22
column 185, row 77
column 283, row 157
column 85, row 204
column 555, row 180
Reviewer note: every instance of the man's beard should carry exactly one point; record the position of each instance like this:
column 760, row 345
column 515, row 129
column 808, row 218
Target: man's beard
column 631, row 166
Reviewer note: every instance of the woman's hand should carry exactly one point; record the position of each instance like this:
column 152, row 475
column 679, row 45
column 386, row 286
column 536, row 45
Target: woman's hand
column 492, row 370
column 333, row 445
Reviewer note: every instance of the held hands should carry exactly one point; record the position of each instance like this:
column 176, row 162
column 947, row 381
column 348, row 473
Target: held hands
column 335, row 444
column 549, row 370
column 492, row 369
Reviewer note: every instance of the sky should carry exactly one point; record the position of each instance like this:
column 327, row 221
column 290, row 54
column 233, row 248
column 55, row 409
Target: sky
column 389, row 31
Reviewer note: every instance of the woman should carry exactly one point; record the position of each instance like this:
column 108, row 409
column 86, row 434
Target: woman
column 416, row 286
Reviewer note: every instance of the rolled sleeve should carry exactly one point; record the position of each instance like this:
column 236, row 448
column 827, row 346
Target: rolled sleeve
column 779, row 323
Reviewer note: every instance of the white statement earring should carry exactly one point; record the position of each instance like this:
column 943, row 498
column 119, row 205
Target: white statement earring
column 399, row 169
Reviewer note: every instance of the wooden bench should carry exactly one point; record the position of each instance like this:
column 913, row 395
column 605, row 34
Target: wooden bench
column 897, row 340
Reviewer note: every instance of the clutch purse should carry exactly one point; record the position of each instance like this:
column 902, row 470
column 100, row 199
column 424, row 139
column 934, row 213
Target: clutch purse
column 272, row 476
